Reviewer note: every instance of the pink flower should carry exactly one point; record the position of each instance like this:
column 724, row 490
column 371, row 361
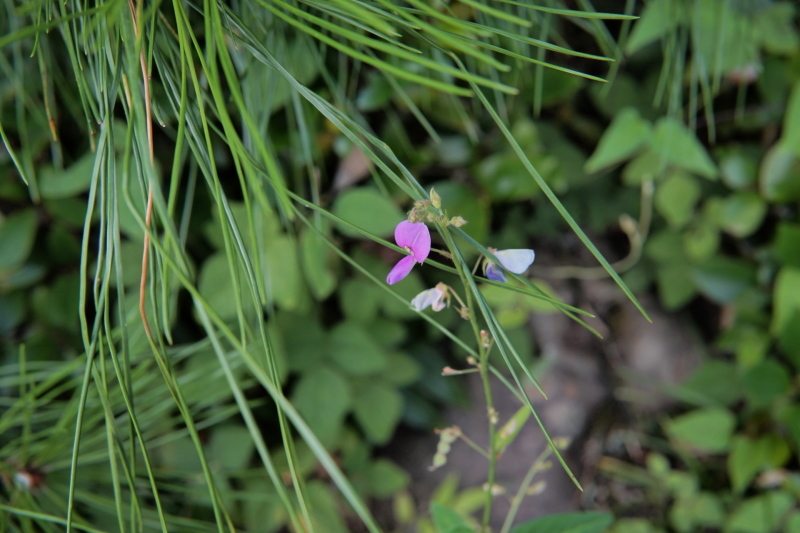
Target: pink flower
column 415, row 238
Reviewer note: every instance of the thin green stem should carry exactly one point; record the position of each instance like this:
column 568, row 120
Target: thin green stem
column 483, row 368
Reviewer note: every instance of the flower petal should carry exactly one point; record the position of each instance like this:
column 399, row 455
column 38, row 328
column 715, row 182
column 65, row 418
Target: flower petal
column 495, row 273
column 416, row 237
column 400, row 270
column 432, row 297
column 516, row 261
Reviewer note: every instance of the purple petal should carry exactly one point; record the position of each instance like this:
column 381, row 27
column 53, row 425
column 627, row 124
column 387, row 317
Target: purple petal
column 495, row 273
column 416, row 237
column 400, row 270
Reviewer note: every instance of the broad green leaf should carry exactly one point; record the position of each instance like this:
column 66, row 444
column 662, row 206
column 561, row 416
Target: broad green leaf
column 360, row 299
column 749, row 456
column 284, row 279
column 786, row 246
column 323, row 397
column 703, row 430
column 647, row 166
column 658, row 18
column 766, row 382
column 676, row 197
column 738, row 166
column 775, row 29
column 304, row 342
column 325, row 508
column 321, row 281
column 354, row 350
column 790, row 137
column 742, row 213
column 723, row 279
column 714, row 383
column 17, row 233
column 703, row 510
column 402, row 370
column 675, row 285
column 367, row 209
column 583, row 522
column 718, row 39
column 760, row 514
column 623, row 138
column 448, row 521
column 73, row 180
column 779, row 175
column 786, row 298
column 459, row 199
column 789, row 339
column 231, row 446
column 385, row 478
column 377, row 408
column 679, row 146
column 700, row 240
column 215, row 285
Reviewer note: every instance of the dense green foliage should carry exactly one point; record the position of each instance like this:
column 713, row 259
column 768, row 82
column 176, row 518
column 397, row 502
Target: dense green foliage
column 291, row 137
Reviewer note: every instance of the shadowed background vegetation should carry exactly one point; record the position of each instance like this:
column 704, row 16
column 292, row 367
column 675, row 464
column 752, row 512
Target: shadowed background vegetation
column 196, row 207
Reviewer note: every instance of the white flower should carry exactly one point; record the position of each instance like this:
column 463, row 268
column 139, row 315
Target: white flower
column 432, row 297
column 515, row 260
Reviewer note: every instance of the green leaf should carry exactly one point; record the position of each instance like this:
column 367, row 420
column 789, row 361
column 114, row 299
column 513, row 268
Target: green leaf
column 738, row 166
column 742, row 213
column 215, row 285
column 585, row 522
column 715, row 383
column 676, row 197
column 17, row 233
column 775, row 29
column 323, row 397
column 789, row 339
column 678, row 146
column 625, row 136
column 722, row 279
column 283, row 274
column 360, row 299
column 385, row 478
column 766, row 382
column 647, row 166
column 304, row 342
column 786, row 242
column 231, row 446
column 658, row 18
column 355, row 351
column 760, row 514
column 700, row 240
column 705, row 430
column 73, row 180
column 786, row 298
column 674, row 285
column 703, row 510
column 367, row 209
column 779, row 175
column 790, row 137
column 448, row 521
column 378, row 407
column 459, row 199
column 748, row 457
column 315, row 254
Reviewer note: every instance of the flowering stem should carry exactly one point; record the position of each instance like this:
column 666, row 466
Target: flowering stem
column 483, row 368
